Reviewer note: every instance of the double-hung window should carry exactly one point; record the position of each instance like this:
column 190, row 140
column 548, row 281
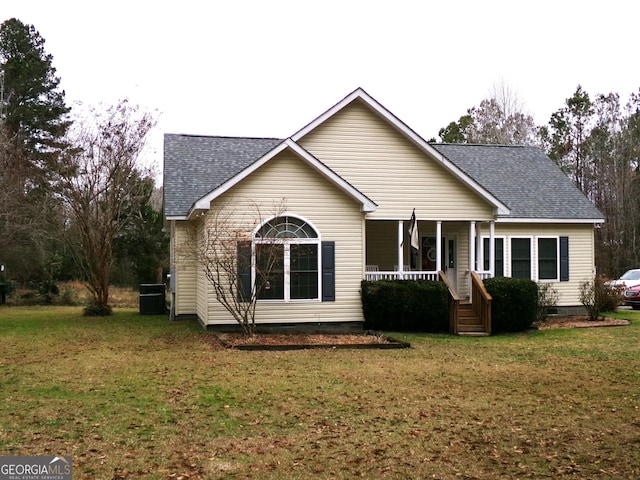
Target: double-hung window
column 521, row 257
column 548, row 258
column 499, row 255
column 287, row 260
column 549, row 255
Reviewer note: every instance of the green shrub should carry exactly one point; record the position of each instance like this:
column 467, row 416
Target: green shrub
column 97, row 311
column 515, row 303
column 403, row 305
column 68, row 297
column 598, row 296
column 547, row 300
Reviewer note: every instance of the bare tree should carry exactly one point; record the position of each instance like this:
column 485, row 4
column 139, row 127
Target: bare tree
column 500, row 119
column 10, row 193
column 613, row 152
column 26, row 218
column 102, row 185
column 237, row 270
column 507, row 99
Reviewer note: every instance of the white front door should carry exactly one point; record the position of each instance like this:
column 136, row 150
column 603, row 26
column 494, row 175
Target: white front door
column 448, row 256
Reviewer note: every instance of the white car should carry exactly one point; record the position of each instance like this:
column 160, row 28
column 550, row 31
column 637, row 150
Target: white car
column 631, row 278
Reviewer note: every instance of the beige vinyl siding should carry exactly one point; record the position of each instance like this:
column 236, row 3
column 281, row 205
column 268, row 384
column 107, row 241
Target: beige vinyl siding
column 202, row 286
column 335, row 216
column 185, row 272
column 382, row 244
column 581, row 254
column 383, row 164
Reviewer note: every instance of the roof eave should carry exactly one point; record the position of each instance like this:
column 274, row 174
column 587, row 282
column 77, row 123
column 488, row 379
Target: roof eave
column 593, row 221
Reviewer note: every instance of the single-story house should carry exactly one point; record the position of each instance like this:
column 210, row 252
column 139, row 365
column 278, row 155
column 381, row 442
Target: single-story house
column 341, row 195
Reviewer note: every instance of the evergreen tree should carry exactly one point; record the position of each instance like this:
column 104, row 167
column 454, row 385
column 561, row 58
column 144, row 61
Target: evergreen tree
column 142, row 247
column 32, row 108
column 456, row 132
column 33, row 125
column 567, row 136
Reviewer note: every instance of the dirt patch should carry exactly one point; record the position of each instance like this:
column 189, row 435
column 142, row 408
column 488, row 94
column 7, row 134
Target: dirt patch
column 295, row 341
column 579, row 321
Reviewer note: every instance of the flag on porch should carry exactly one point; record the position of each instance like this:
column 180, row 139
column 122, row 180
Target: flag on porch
column 413, row 234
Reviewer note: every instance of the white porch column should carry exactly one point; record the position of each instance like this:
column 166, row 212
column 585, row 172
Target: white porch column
column 479, row 258
column 400, row 249
column 472, row 253
column 472, row 240
column 492, row 249
column 438, row 245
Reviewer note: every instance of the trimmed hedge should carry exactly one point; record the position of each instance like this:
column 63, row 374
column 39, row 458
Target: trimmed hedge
column 514, row 305
column 405, row 305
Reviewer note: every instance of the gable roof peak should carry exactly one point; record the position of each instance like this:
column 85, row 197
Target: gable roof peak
column 404, row 129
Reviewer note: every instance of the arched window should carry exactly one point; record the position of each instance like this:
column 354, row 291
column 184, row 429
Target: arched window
column 286, row 227
column 287, row 260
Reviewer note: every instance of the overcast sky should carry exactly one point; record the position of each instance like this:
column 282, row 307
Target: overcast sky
column 267, row 68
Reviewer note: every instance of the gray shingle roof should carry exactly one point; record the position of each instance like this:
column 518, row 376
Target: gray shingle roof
column 196, row 165
column 523, row 178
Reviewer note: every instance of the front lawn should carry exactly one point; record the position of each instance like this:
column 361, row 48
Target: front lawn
column 134, row 396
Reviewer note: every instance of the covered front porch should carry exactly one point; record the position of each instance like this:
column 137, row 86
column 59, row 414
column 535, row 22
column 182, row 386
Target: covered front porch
column 454, row 247
column 460, row 253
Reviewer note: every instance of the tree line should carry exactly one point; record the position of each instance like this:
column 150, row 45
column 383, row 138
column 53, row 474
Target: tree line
column 594, row 139
column 77, row 203
column 75, row 200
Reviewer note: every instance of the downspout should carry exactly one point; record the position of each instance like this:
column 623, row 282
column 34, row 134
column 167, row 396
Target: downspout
column 439, row 246
column 400, row 249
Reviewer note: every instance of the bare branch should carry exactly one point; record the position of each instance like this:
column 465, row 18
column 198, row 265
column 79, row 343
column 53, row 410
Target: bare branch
column 221, row 241
column 103, row 185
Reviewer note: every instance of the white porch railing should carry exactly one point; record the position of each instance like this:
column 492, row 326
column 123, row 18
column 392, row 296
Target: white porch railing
column 406, row 275
column 412, row 275
column 484, row 274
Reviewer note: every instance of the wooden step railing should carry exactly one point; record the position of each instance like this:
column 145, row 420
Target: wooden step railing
column 481, row 302
column 454, row 303
column 469, row 318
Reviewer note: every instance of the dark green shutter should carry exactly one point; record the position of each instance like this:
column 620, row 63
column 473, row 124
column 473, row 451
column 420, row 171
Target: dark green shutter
column 564, row 259
column 328, row 271
column 244, row 271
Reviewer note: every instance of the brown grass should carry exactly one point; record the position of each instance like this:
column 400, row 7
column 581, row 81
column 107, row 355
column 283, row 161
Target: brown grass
column 73, row 293
column 140, row 397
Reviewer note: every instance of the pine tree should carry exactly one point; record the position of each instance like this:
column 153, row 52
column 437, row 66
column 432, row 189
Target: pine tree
column 32, row 109
column 33, row 124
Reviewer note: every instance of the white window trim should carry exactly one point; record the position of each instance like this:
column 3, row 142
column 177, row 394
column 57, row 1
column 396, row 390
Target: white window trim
column 287, row 242
column 504, row 253
column 508, row 267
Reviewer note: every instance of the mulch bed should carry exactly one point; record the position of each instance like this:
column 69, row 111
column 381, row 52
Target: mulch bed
column 302, row 341
column 579, row 321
